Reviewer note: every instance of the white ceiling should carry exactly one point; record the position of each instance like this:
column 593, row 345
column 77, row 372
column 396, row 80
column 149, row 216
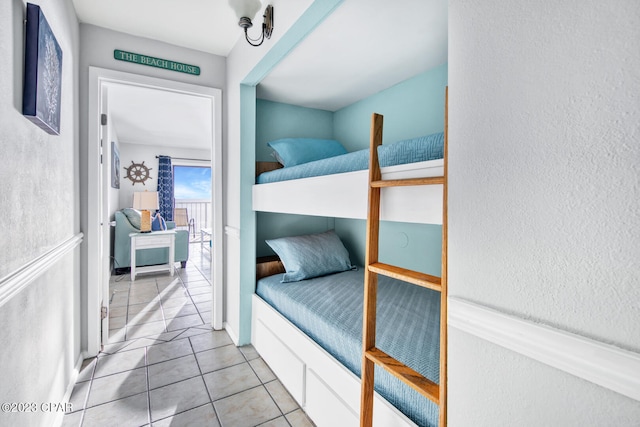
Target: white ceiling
column 142, row 115
column 206, row 25
column 364, row 47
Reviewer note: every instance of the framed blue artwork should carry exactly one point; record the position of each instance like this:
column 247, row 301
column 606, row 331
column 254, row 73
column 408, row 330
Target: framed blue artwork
column 42, row 73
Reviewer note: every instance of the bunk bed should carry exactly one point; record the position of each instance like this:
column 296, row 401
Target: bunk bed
column 310, row 331
column 336, row 186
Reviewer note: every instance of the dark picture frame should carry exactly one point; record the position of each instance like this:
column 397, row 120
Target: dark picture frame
column 115, row 166
column 42, row 73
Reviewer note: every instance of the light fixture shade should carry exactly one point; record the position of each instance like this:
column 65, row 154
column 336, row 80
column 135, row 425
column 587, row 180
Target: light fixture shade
column 146, row 200
column 245, row 8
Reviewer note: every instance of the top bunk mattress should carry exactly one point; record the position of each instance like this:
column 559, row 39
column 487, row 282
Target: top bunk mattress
column 414, row 150
column 329, row 310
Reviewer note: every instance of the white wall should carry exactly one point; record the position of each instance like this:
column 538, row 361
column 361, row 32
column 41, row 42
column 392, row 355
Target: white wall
column 139, row 153
column 39, row 204
column 544, row 120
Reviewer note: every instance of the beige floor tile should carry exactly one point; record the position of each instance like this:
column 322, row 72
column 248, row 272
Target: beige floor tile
column 211, row 340
column 202, row 416
column 262, row 370
column 281, row 396
column 132, row 410
column 200, row 290
column 202, row 298
column 178, row 397
column 178, row 301
column 247, row 409
column 185, row 310
column 120, row 362
column 117, row 386
column 145, row 330
column 173, row 371
column 249, row 352
column 298, row 418
column 86, row 369
column 144, row 307
column 79, row 396
column 219, row 358
column 72, row 420
column 228, row 381
column 145, row 317
column 169, row 350
column 184, row 322
column 278, row 422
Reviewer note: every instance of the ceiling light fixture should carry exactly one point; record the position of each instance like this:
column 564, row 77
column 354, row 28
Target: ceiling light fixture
column 245, row 11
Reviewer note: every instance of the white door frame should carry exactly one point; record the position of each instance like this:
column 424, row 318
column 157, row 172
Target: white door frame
column 97, row 78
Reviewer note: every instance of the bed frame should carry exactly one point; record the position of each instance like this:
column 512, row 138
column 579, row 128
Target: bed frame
column 344, row 195
column 327, row 391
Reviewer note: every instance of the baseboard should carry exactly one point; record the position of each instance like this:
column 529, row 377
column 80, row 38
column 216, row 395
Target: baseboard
column 603, row 364
column 57, row 422
column 232, row 334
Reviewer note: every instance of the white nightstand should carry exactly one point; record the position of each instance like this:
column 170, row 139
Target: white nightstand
column 155, row 239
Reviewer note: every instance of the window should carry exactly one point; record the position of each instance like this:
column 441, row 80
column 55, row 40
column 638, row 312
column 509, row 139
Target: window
column 192, row 182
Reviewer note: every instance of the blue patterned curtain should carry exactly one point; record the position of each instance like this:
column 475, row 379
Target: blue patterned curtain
column 165, row 187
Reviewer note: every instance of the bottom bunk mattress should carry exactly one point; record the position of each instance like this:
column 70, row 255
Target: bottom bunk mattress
column 329, row 310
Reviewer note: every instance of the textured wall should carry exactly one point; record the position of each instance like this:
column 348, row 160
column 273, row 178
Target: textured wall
column 39, row 204
column 38, row 196
column 544, row 121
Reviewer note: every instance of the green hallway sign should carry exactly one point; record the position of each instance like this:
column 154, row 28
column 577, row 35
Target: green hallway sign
column 137, row 58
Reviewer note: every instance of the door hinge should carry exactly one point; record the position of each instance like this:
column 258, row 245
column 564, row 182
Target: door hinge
column 103, row 313
column 103, row 119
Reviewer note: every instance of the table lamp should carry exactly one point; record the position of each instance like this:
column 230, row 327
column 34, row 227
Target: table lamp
column 145, row 201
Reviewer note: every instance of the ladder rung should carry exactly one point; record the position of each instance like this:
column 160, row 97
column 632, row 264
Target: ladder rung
column 411, row 276
column 408, row 181
column 410, row 377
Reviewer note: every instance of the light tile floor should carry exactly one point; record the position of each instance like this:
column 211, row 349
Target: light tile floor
column 165, row 366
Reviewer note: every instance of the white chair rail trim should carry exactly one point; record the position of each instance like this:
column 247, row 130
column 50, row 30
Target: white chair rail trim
column 602, row 364
column 13, row 283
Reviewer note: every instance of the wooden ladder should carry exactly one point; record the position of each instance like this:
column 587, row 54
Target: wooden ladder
column 372, row 355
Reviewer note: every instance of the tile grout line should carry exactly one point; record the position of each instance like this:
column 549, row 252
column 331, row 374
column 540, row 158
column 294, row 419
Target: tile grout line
column 204, row 382
column 146, row 367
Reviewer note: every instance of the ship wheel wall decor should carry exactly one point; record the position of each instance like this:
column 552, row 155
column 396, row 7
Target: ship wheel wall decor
column 137, row 172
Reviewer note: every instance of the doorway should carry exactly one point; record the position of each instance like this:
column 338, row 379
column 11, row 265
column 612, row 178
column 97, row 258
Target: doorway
column 98, row 229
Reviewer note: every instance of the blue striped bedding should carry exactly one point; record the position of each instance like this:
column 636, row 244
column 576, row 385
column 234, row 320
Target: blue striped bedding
column 329, row 310
column 428, row 147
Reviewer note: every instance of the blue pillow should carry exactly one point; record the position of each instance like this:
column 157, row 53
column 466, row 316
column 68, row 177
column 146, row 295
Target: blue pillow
column 312, row 255
column 296, row 151
column 158, row 223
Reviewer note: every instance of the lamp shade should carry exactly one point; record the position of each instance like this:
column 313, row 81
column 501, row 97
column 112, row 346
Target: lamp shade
column 145, row 200
column 245, row 8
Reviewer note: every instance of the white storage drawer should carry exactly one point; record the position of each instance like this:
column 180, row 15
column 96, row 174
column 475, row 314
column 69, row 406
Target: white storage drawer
column 284, row 363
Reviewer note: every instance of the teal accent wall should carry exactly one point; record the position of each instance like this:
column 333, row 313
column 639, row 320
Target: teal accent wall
column 247, row 215
column 414, row 107
column 275, row 120
column 413, row 246
column 274, row 225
